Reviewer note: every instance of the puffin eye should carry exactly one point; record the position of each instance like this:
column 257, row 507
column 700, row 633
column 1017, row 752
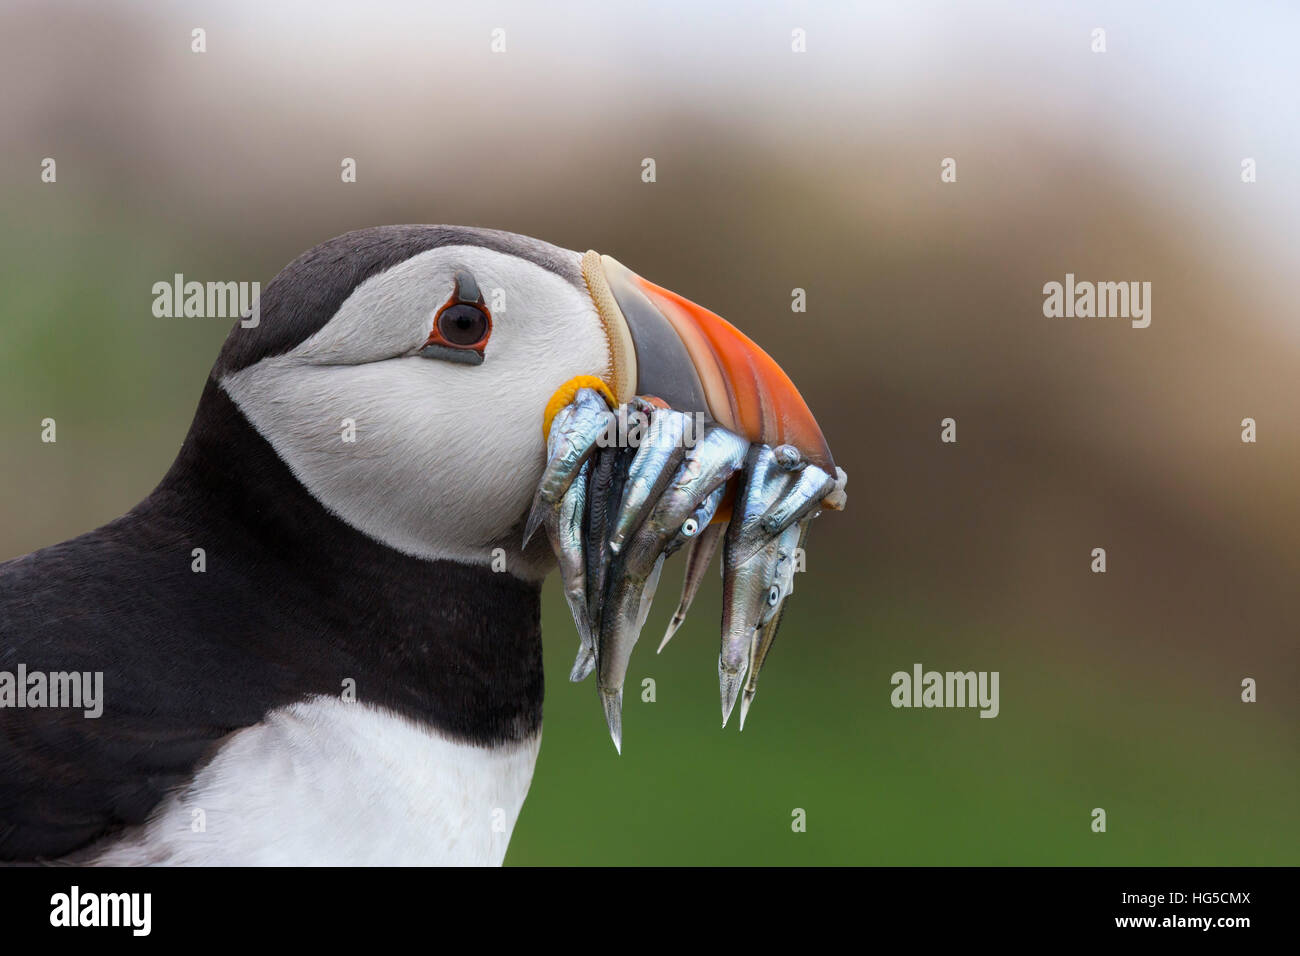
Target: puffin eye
column 462, row 326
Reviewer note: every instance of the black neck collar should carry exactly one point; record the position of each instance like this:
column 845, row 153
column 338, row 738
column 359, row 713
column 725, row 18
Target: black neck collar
column 298, row 603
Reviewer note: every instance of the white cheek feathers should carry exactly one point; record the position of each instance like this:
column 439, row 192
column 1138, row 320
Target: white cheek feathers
column 436, row 459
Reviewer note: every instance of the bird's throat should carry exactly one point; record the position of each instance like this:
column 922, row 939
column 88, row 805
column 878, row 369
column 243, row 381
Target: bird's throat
column 297, row 602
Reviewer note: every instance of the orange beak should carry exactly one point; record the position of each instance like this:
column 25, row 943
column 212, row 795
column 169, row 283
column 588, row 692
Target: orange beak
column 666, row 346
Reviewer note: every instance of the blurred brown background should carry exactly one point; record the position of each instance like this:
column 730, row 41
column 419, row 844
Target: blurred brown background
column 775, row 170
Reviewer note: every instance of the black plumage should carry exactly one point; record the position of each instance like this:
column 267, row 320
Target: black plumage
column 293, row 602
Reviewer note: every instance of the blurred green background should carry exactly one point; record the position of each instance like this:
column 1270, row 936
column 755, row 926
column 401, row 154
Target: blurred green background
column 775, row 170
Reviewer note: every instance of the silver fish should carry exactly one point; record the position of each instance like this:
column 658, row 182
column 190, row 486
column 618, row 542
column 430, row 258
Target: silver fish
column 632, row 592
column 803, row 498
column 604, row 491
column 701, row 535
column 699, row 521
column 698, row 559
column 751, row 564
column 657, row 504
column 564, row 528
column 604, row 479
column 583, row 664
column 752, row 594
column 698, row 486
column 660, row 451
column 765, row 635
column 614, row 513
column 570, row 443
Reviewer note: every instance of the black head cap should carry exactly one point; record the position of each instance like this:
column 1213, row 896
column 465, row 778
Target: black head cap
column 308, row 291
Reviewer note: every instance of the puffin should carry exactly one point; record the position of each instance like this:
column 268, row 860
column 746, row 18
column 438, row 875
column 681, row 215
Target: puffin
column 319, row 636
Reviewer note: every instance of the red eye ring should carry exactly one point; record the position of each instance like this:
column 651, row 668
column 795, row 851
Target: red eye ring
column 462, row 326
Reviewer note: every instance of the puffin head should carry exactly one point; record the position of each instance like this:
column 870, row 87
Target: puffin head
column 402, row 374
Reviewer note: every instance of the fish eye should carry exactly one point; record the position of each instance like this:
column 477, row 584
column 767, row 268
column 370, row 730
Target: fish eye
column 773, row 595
column 787, row 457
column 690, row 527
column 462, row 325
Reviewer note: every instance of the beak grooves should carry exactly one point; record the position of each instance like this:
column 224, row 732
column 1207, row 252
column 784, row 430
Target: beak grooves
column 623, row 371
column 696, row 361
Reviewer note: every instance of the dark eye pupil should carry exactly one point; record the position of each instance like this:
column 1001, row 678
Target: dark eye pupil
column 462, row 325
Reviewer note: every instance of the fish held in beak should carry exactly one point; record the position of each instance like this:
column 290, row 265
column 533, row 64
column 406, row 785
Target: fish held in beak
column 572, row 437
column 757, row 565
column 670, row 493
column 766, row 632
column 698, row 559
column 729, row 455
